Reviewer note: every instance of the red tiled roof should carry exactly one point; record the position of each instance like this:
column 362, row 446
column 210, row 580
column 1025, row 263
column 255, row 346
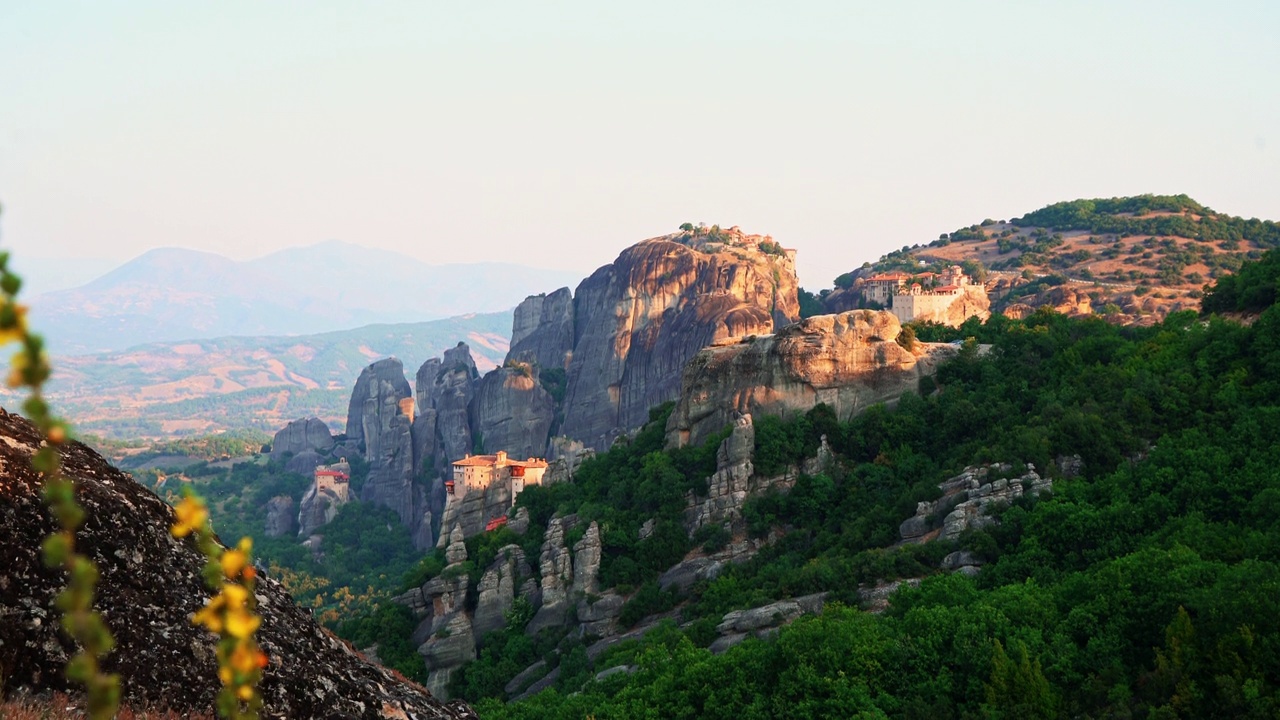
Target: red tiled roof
column 476, row 461
column 492, row 460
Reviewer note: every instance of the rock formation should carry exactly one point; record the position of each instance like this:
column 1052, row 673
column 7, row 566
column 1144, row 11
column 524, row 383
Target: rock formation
column 397, row 438
column 371, row 385
column 301, row 435
column 473, row 512
column 555, row 565
column 639, row 320
column 320, row 503
column 450, row 394
column 280, row 516
column 764, row 621
column 304, row 463
column 512, row 412
column 848, row 361
column 150, row 585
column 496, row 591
column 968, row 499
column 444, row 632
column 391, row 470
column 542, row 331
column 727, row 488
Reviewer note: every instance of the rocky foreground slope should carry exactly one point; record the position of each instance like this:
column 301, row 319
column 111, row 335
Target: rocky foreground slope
column 149, row 588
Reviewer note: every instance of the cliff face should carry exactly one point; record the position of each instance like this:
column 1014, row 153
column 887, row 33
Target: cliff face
column 450, row 394
column 638, row 321
column 387, row 372
column 150, row 585
column 848, row 361
column 512, row 412
column 542, row 331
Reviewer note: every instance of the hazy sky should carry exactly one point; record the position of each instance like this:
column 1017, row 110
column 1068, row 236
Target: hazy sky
column 557, row 133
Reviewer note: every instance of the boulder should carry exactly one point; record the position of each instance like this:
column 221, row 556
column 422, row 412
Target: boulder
column 301, row 435
column 304, row 463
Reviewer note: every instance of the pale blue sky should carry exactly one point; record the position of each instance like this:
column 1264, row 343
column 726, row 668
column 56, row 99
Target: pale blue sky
column 557, row 133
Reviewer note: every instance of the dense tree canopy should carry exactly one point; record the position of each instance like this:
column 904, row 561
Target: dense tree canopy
column 1147, row 586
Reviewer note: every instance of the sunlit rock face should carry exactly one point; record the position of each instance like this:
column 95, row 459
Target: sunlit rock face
column 512, row 412
column 640, row 319
column 848, row 361
column 542, row 330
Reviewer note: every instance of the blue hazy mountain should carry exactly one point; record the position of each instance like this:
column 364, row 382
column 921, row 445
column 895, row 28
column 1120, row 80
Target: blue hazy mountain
column 170, row 294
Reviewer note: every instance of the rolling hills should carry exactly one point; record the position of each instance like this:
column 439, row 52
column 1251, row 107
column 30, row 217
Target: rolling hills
column 161, row 390
column 171, row 294
column 1133, row 258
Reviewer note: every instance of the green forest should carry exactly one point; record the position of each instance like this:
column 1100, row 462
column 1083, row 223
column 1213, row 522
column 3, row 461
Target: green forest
column 1147, row 586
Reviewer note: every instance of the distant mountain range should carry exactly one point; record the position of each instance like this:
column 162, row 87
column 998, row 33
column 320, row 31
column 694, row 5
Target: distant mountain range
column 164, row 390
column 172, row 294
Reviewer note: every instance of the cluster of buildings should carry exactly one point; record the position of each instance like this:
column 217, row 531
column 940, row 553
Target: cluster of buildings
column 919, row 295
column 475, row 473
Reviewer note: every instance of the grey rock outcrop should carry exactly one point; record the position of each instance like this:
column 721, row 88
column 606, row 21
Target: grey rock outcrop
column 586, row 562
column 875, row 598
column 386, row 430
column 765, row 620
column 513, row 412
column 445, row 630
column 556, row 568
column 473, row 512
column 452, row 390
column 542, row 331
column 968, row 500
column 567, row 455
column 280, row 516
column 456, row 551
column 600, row 618
column 321, row 501
column 449, row 649
column 301, row 435
column 496, row 591
column 388, row 371
column 304, row 463
column 728, row 488
column 849, row 361
column 519, row 523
